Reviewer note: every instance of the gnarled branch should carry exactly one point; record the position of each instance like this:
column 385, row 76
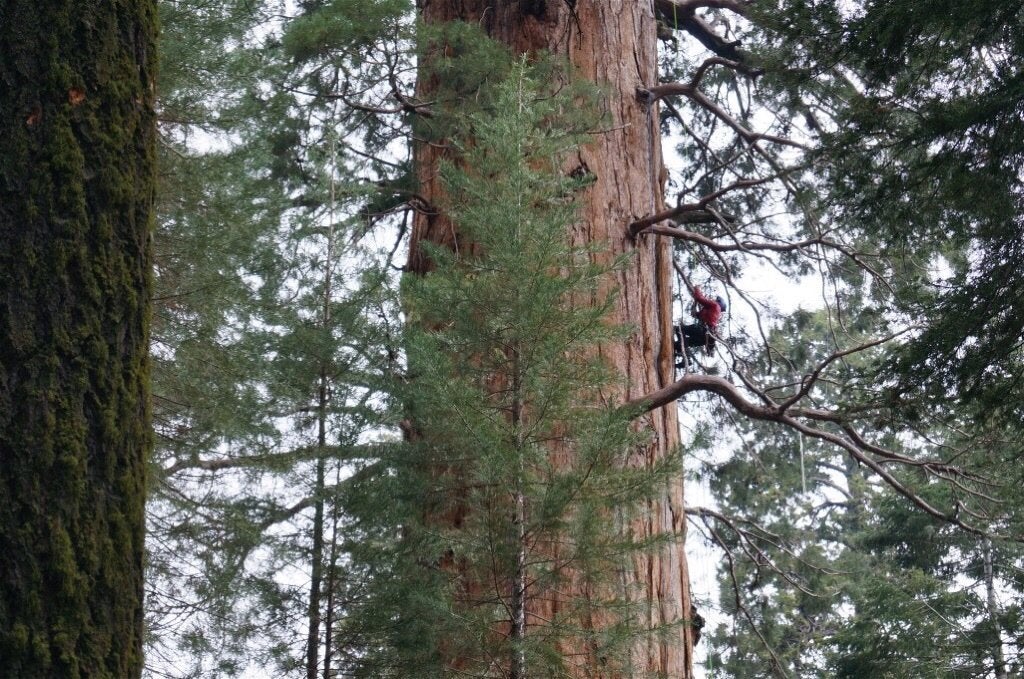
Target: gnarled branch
column 795, row 418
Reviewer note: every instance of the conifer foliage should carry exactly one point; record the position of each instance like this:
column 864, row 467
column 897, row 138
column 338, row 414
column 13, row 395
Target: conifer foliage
column 269, row 353
column 829, row 574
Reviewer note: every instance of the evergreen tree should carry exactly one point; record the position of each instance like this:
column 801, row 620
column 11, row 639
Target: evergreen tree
column 75, row 283
column 919, row 112
column 270, row 354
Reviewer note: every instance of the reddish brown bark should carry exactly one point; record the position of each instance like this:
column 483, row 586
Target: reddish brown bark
column 612, row 43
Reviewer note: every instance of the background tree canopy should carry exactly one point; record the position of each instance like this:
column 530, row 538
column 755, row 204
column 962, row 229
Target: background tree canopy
column 861, row 447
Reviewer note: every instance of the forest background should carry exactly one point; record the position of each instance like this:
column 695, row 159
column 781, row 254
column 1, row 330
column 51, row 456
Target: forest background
column 328, row 498
column 881, row 173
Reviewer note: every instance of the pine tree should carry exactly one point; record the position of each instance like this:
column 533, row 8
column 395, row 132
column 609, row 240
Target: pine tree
column 75, row 218
column 269, row 354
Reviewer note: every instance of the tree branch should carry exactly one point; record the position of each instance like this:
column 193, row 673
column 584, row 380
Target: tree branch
column 788, row 417
column 775, row 664
column 681, row 7
column 751, row 538
column 682, row 16
column 656, row 92
column 808, row 381
column 261, row 459
column 701, row 215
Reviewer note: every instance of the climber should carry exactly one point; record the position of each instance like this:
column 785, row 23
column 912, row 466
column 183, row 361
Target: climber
column 699, row 334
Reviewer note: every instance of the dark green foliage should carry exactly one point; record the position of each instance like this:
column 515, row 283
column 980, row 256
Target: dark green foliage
column 76, row 188
column 922, row 154
column 271, row 321
column 270, row 300
column 343, row 26
column 461, row 62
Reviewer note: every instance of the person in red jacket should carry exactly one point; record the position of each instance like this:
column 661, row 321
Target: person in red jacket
column 699, row 334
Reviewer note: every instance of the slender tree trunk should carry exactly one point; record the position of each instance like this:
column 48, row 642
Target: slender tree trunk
column 323, row 398
column 613, row 43
column 76, row 194
column 331, row 584
column 518, row 598
column 317, row 557
column 998, row 661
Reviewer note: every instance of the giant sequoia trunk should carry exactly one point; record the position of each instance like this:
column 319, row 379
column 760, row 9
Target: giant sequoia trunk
column 76, row 185
column 612, row 43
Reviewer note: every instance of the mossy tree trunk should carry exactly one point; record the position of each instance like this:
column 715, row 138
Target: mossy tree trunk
column 612, row 43
column 76, row 189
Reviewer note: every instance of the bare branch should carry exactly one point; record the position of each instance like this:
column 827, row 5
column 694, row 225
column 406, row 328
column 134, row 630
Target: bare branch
column 756, row 533
column 808, row 381
column 407, row 103
column 702, row 70
column 776, row 664
column 696, row 213
column 952, row 517
column 682, row 7
column 789, row 417
column 683, row 16
column 656, row 92
column 264, row 459
column 683, row 214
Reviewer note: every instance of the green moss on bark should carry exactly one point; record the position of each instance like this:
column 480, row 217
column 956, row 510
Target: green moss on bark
column 76, row 185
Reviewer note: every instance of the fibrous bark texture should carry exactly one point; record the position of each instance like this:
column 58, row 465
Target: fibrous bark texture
column 612, row 43
column 76, row 185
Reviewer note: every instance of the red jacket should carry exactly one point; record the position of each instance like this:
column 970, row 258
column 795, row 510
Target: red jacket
column 710, row 312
